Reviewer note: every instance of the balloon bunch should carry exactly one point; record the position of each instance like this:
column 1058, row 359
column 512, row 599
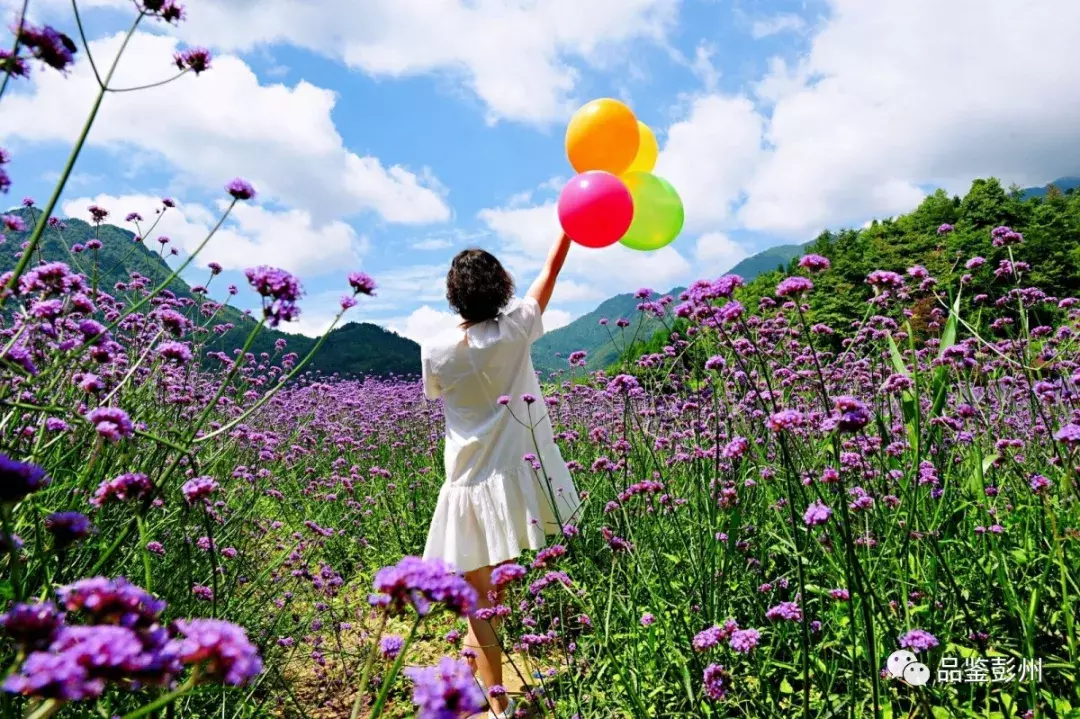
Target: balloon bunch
column 616, row 198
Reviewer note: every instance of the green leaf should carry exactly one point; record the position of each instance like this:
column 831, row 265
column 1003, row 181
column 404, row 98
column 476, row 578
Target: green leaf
column 785, row 687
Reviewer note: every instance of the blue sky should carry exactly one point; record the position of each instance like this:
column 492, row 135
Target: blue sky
column 385, row 135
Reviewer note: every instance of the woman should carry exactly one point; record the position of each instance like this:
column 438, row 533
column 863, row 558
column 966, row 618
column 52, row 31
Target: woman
column 507, row 486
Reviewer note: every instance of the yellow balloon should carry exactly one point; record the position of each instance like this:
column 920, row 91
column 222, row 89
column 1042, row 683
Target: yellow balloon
column 647, row 152
column 602, row 135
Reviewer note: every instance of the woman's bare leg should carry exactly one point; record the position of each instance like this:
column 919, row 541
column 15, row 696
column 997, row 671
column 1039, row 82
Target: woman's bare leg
column 482, row 639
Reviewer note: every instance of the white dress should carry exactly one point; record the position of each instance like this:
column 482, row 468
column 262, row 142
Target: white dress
column 494, row 504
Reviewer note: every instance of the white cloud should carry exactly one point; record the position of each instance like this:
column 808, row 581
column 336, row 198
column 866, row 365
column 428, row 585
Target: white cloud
column 222, row 124
column 521, row 59
column 253, row 235
column 710, row 155
column 784, row 22
column 555, row 318
column 423, row 323
column 715, row 253
column 991, row 88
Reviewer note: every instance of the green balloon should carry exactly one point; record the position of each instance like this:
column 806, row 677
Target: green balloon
column 658, row 212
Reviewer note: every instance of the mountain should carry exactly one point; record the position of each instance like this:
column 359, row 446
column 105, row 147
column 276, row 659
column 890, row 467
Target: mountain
column 353, row 349
column 603, row 343
column 1064, row 184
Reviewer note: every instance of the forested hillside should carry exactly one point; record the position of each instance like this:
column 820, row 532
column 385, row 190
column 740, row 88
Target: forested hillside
column 1048, row 219
column 353, row 349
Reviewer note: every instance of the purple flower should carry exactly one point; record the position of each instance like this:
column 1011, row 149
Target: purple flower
column 793, row 286
column 504, row 400
column 347, row 302
column 53, row 48
column 528, row 398
column 197, row 60
column 68, row 528
column 789, row 611
column 817, row 513
column 709, row 638
column 18, row 479
column 647, row 619
column 445, row 691
column 884, row 279
column 32, row 626
column 174, row 351
column 1040, row 484
column 240, row 189
column 199, row 488
column 112, row 601
column 506, row 573
column 716, row 682
column 1069, row 434
column 744, row 640
column 221, row 648
column 362, row 283
column 16, row 67
column 975, row 263
column 716, row 362
column 273, row 283
column 419, row 583
column 918, row 640
column 851, row 415
column 79, row 662
column 814, row 263
column 130, row 486
column 945, row 229
column 112, row 423
column 390, row 646
column 840, row 595
column 280, row 288
column 13, row 223
column 786, row 419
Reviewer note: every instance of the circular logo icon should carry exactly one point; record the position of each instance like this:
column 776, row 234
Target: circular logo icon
column 916, row 674
column 897, row 661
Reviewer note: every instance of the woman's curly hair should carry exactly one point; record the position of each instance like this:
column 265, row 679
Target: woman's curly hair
column 478, row 286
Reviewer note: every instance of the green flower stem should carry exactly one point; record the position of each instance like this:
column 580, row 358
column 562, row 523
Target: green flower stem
column 166, row 699
column 13, row 553
column 39, row 228
column 274, row 390
column 391, row 676
column 46, row 709
column 15, row 46
column 367, row 667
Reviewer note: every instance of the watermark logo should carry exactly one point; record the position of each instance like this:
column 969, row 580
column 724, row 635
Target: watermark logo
column 905, row 666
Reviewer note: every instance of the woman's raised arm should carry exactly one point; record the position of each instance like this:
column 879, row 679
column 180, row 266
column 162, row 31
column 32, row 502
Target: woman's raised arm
column 544, row 284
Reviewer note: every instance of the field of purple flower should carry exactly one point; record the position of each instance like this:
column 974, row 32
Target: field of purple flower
column 769, row 513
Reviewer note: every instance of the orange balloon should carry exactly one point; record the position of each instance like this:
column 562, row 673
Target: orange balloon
column 602, row 135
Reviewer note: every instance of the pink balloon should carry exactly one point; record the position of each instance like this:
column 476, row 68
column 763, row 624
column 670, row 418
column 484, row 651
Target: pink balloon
column 595, row 209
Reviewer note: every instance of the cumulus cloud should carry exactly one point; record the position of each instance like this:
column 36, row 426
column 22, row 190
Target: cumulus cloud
column 423, row 323
column 715, row 253
column 867, row 117
column 522, row 60
column 221, row 124
column 710, row 155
